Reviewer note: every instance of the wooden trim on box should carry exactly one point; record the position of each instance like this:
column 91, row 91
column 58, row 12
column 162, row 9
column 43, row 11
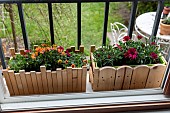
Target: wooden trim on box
column 103, row 108
column 167, row 86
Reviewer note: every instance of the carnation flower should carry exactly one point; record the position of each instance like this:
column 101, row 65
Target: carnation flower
column 154, row 55
column 131, row 53
column 139, row 37
column 126, row 38
column 153, row 43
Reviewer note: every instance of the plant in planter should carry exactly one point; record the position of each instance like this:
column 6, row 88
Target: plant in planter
column 127, row 65
column 165, row 26
column 46, row 70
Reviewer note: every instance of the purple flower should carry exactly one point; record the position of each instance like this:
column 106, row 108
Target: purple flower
column 131, row 53
column 154, row 55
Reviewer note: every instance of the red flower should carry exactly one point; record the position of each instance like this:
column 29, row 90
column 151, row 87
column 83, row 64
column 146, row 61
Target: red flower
column 131, row 53
column 154, row 55
column 98, row 55
column 26, row 51
column 109, row 56
column 60, row 49
column 153, row 43
column 118, row 46
column 126, row 38
column 139, row 37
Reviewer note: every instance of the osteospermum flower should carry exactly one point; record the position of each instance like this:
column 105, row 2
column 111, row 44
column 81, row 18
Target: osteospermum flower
column 126, row 38
column 73, row 65
column 131, row 53
column 154, row 55
column 139, row 37
column 59, row 61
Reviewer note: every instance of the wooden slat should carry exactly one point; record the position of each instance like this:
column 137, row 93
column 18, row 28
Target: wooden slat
column 84, row 76
column 19, row 84
column 106, row 78
column 155, row 77
column 13, row 81
column 8, row 82
column 29, row 81
column 92, row 48
column 93, row 63
column 22, row 51
column 44, row 79
column 139, row 77
column 70, row 80
column 91, row 80
column 82, row 48
column 24, row 82
column 119, row 77
column 80, row 80
column 12, row 52
column 54, row 79
column 73, row 48
column 127, row 78
column 50, row 82
column 64, row 76
column 34, row 82
column 74, row 79
column 96, row 79
column 59, row 80
column 77, row 51
column 39, row 82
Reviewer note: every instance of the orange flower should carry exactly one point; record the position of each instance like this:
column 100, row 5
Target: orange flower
column 63, row 53
column 36, row 53
column 66, row 62
column 47, row 48
column 38, row 49
column 33, row 56
column 59, row 61
column 73, row 65
column 60, row 49
column 42, row 50
column 44, row 45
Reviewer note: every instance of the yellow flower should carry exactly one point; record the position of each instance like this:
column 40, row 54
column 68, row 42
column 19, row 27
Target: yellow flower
column 66, row 62
column 36, row 53
column 59, row 61
column 54, row 46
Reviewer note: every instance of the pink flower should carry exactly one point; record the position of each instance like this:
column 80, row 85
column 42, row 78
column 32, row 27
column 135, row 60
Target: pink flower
column 118, row 46
column 154, row 55
column 139, row 37
column 26, row 51
column 126, row 38
column 68, row 54
column 153, row 43
column 131, row 53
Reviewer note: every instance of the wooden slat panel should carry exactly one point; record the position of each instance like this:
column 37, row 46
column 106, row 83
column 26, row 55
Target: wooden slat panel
column 119, row 77
column 24, row 82
column 44, row 79
column 64, row 76
column 50, row 82
column 74, row 79
column 93, row 63
column 80, row 80
column 84, row 76
column 70, row 79
column 29, row 81
column 91, row 80
column 155, row 76
column 59, row 80
column 12, row 52
column 127, row 78
column 13, row 81
column 39, row 82
column 8, row 82
column 92, row 49
column 54, row 79
column 22, row 51
column 34, row 82
column 96, row 79
column 106, row 78
column 19, row 84
column 82, row 48
column 139, row 77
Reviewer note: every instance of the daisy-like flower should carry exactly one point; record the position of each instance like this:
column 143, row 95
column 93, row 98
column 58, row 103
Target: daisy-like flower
column 139, row 37
column 33, row 56
column 131, row 53
column 59, row 61
column 126, row 38
column 63, row 53
column 66, row 62
column 60, row 49
column 154, row 55
column 73, row 65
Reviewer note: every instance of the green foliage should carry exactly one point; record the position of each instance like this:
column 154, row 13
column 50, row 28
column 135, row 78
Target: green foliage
column 166, row 21
column 128, row 52
column 52, row 58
